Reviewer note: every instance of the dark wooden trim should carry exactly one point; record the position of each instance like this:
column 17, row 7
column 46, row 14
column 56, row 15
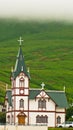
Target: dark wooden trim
column 28, row 110
column 20, row 88
column 55, row 115
column 60, row 112
column 14, row 106
column 28, row 99
column 36, row 111
column 19, row 95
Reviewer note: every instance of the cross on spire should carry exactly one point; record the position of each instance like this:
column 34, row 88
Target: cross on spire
column 42, row 85
column 20, row 41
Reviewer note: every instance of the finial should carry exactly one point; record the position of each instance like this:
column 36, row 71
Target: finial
column 21, row 68
column 12, row 69
column 6, row 86
column 28, row 70
column 42, row 85
column 64, row 88
column 20, row 41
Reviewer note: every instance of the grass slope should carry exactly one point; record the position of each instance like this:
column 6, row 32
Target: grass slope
column 48, row 51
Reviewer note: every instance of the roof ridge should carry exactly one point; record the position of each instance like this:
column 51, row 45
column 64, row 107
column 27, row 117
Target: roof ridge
column 34, row 89
column 54, row 91
column 47, row 90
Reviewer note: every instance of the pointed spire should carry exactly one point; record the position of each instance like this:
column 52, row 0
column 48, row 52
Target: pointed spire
column 20, row 65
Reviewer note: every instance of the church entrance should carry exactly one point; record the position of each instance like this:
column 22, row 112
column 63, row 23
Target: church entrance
column 21, row 118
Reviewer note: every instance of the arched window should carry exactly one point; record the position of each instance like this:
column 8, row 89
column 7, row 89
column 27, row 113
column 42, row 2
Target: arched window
column 46, row 119
column 21, row 82
column 41, row 119
column 58, row 120
column 8, row 118
column 21, row 103
column 42, row 103
column 38, row 119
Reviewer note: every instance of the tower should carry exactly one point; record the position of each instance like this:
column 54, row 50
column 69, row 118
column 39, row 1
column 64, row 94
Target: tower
column 20, row 91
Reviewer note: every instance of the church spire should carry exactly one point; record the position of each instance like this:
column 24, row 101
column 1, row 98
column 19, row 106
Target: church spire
column 20, row 65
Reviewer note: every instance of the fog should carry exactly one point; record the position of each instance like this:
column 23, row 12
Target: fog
column 37, row 9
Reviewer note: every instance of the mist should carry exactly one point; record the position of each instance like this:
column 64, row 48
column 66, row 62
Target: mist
column 37, row 9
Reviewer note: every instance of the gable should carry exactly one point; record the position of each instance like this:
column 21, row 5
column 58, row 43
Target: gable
column 42, row 94
column 58, row 97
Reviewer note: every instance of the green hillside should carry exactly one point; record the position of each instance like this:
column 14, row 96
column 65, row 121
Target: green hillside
column 48, row 52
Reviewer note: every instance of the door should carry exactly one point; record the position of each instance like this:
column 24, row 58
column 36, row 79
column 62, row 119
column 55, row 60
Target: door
column 21, row 119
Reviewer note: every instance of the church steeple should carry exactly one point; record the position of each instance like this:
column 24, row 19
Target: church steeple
column 20, row 64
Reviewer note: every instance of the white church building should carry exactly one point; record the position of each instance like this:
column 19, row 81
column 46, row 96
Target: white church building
column 31, row 106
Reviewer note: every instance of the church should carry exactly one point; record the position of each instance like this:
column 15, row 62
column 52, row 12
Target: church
column 32, row 106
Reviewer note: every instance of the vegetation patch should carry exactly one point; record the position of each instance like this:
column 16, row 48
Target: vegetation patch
column 60, row 128
column 48, row 52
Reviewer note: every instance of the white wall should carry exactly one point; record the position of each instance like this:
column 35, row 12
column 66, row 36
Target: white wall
column 25, row 98
column 50, row 105
column 61, row 112
column 58, row 109
column 51, row 118
column 33, row 105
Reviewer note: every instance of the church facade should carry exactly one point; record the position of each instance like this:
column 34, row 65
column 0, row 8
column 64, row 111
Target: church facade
column 29, row 106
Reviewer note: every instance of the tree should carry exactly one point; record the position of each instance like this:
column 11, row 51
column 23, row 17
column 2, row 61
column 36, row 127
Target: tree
column 2, row 117
column 69, row 114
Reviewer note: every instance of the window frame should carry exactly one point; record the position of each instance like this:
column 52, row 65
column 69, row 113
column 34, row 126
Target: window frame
column 8, row 118
column 42, row 119
column 42, row 103
column 21, row 103
column 21, row 82
column 58, row 120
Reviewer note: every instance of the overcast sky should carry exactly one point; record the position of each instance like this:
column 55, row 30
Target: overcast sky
column 43, row 9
